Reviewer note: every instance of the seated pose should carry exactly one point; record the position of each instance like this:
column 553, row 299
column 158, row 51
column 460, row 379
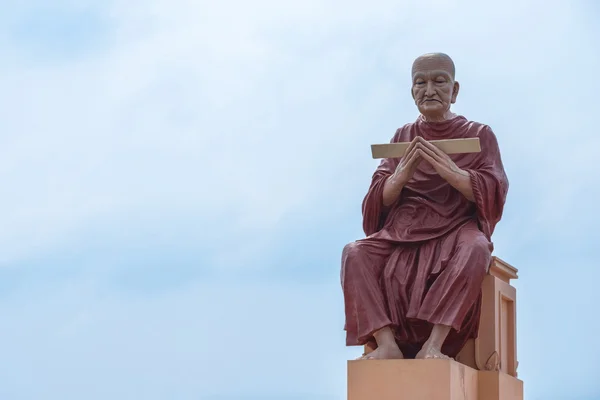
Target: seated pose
column 412, row 287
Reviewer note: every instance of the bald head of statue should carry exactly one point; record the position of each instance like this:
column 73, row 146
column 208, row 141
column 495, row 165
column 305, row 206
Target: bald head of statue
column 433, row 86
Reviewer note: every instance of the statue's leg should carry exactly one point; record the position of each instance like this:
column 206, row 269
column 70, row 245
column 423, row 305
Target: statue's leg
column 366, row 314
column 456, row 289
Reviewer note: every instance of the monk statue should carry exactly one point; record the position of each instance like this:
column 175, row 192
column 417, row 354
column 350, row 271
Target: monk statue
column 412, row 287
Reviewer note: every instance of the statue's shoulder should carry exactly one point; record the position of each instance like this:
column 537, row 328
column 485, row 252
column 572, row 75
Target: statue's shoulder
column 479, row 129
column 405, row 133
column 408, row 126
column 484, row 132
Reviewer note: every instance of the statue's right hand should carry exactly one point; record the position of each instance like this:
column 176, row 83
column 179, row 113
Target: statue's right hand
column 408, row 164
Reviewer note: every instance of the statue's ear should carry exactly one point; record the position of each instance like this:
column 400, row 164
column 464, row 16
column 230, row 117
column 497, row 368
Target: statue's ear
column 455, row 91
column 412, row 93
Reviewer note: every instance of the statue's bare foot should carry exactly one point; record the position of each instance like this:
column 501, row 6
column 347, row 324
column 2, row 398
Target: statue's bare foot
column 384, row 353
column 428, row 352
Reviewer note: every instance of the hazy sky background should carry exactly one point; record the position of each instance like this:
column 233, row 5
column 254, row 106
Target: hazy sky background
column 180, row 178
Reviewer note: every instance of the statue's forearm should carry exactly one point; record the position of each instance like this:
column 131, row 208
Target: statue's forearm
column 391, row 190
column 461, row 181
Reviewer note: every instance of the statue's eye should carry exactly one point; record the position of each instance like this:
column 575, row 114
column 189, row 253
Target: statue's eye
column 419, row 82
column 440, row 80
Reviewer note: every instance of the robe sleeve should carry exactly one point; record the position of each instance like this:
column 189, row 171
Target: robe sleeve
column 373, row 211
column 489, row 183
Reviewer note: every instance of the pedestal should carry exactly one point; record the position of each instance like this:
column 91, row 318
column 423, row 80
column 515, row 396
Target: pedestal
column 428, row 380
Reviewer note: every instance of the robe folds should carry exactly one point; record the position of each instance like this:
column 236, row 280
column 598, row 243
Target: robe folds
column 424, row 258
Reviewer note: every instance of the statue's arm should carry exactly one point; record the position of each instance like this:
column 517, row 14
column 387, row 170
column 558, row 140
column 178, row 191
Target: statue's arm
column 403, row 171
column 489, row 183
column 461, row 181
column 384, row 190
column 392, row 188
column 376, row 202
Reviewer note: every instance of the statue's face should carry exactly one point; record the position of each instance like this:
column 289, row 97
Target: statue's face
column 433, row 86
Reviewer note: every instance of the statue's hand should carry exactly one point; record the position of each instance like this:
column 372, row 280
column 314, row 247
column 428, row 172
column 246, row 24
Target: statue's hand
column 408, row 164
column 440, row 161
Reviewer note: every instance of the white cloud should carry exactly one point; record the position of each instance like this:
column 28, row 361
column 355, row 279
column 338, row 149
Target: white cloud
column 255, row 110
column 75, row 340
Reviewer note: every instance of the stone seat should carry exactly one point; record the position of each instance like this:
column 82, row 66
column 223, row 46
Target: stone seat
column 495, row 348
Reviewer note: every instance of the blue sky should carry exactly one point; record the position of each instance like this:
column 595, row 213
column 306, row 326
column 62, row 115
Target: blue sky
column 180, row 178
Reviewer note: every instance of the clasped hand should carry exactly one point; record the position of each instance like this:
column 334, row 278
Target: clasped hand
column 420, row 149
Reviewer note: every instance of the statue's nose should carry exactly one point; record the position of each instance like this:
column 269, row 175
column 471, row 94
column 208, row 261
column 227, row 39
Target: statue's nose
column 429, row 90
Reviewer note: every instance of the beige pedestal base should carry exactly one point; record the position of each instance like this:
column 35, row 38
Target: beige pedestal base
column 427, row 380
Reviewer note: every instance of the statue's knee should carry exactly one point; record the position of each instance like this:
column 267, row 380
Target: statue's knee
column 350, row 256
column 474, row 242
column 481, row 248
column 480, row 254
column 350, row 250
column 476, row 251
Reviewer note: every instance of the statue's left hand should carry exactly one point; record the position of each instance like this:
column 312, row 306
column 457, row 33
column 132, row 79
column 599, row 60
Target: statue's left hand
column 440, row 161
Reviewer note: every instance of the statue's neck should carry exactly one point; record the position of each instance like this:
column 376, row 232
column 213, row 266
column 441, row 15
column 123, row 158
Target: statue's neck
column 441, row 118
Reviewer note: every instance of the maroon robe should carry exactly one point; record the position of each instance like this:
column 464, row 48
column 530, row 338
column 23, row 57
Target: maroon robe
column 424, row 258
